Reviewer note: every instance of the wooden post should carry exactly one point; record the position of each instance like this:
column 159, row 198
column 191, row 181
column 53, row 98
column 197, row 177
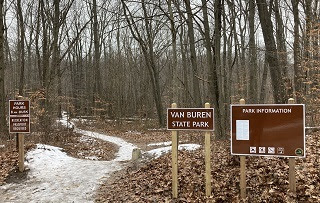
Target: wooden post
column 20, row 144
column 21, row 152
column 207, row 158
column 174, row 160
column 243, row 169
column 292, row 165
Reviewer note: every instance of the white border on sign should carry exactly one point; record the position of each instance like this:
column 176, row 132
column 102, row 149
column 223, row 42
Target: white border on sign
column 18, row 117
column 24, row 115
column 304, row 131
column 13, row 100
column 191, row 129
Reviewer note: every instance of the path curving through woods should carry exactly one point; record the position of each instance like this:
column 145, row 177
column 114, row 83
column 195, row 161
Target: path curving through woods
column 56, row 177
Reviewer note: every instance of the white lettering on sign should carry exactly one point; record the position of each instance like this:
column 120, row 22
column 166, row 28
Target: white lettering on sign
column 266, row 110
column 19, row 128
column 177, row 114
column 19, row 124
column 200, row 124
column 19, row 119
column 19, row 107
column 248, row 110
column 18, row 103
column 198, row 114
column 274, row 110
column 181, row 124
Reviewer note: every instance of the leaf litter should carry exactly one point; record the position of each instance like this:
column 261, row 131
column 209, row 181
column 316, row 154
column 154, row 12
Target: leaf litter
column 267, row 178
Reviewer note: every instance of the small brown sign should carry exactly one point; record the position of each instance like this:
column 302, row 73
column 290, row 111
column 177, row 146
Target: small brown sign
column 268, row 130
column 19, row 124
column 19, row 107
column 190, row 119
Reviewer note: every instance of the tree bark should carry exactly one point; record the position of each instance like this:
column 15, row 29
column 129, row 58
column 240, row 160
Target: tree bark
column 146, row 46
column 253, row 67
column 97, row 74
column 21, row 46
column 3, row 123
column 271, row 49
column 193, row 57
column 213, row 78
column 296, row 52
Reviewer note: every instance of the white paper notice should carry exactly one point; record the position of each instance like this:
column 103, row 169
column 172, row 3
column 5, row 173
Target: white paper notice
column 242, row 129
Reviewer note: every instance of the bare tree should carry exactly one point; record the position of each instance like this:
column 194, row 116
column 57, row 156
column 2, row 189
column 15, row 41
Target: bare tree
column 21, row 47
column 193, row 56
column 271, row 49
column 146, row 45
column 3, row 123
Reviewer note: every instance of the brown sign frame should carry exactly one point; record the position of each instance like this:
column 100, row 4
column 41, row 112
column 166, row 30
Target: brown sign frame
column 19, row 116
column 245, row 131
column 210, row 127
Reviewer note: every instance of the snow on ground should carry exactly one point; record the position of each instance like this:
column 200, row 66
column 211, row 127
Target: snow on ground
column 160, row 151
column 56, row 177
column 159, row 144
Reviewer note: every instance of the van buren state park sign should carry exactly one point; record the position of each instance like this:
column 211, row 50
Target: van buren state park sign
column 268, row 130
column 190, row 119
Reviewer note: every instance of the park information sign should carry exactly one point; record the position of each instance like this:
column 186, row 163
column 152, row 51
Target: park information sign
column 268, row 130
column 19, row 116
column 190, row 119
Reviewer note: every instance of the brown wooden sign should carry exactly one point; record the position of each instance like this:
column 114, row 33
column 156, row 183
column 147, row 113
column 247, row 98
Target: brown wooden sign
column 190, row 119
column 19, row 107
column 19, row 124
column 19, row 116
column 268, row 130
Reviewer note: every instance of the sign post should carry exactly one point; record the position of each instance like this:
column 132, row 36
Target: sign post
column 190, row 119
column 19, row 122
column 243, row 183
column 207, row 158
column 175, row 141
column 292, row 165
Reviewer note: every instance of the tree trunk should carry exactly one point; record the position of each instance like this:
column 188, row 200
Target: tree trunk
column 175, row 86
column 213, row 78
column 296, row 53
column 97, row 78
column 253, row 67
column 21, row 46
column 272, row 58
column 196, row 85
column 3, row 123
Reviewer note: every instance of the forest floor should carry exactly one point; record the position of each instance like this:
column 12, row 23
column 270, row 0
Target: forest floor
column 91, row 164
column 267, row 178
column 70, row 166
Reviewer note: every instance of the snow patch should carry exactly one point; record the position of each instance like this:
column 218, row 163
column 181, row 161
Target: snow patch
column 56, row 177
column 163, row 150
column 160, row 144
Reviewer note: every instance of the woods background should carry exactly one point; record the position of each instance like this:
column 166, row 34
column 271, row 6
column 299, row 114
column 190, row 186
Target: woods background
column 116, row 59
